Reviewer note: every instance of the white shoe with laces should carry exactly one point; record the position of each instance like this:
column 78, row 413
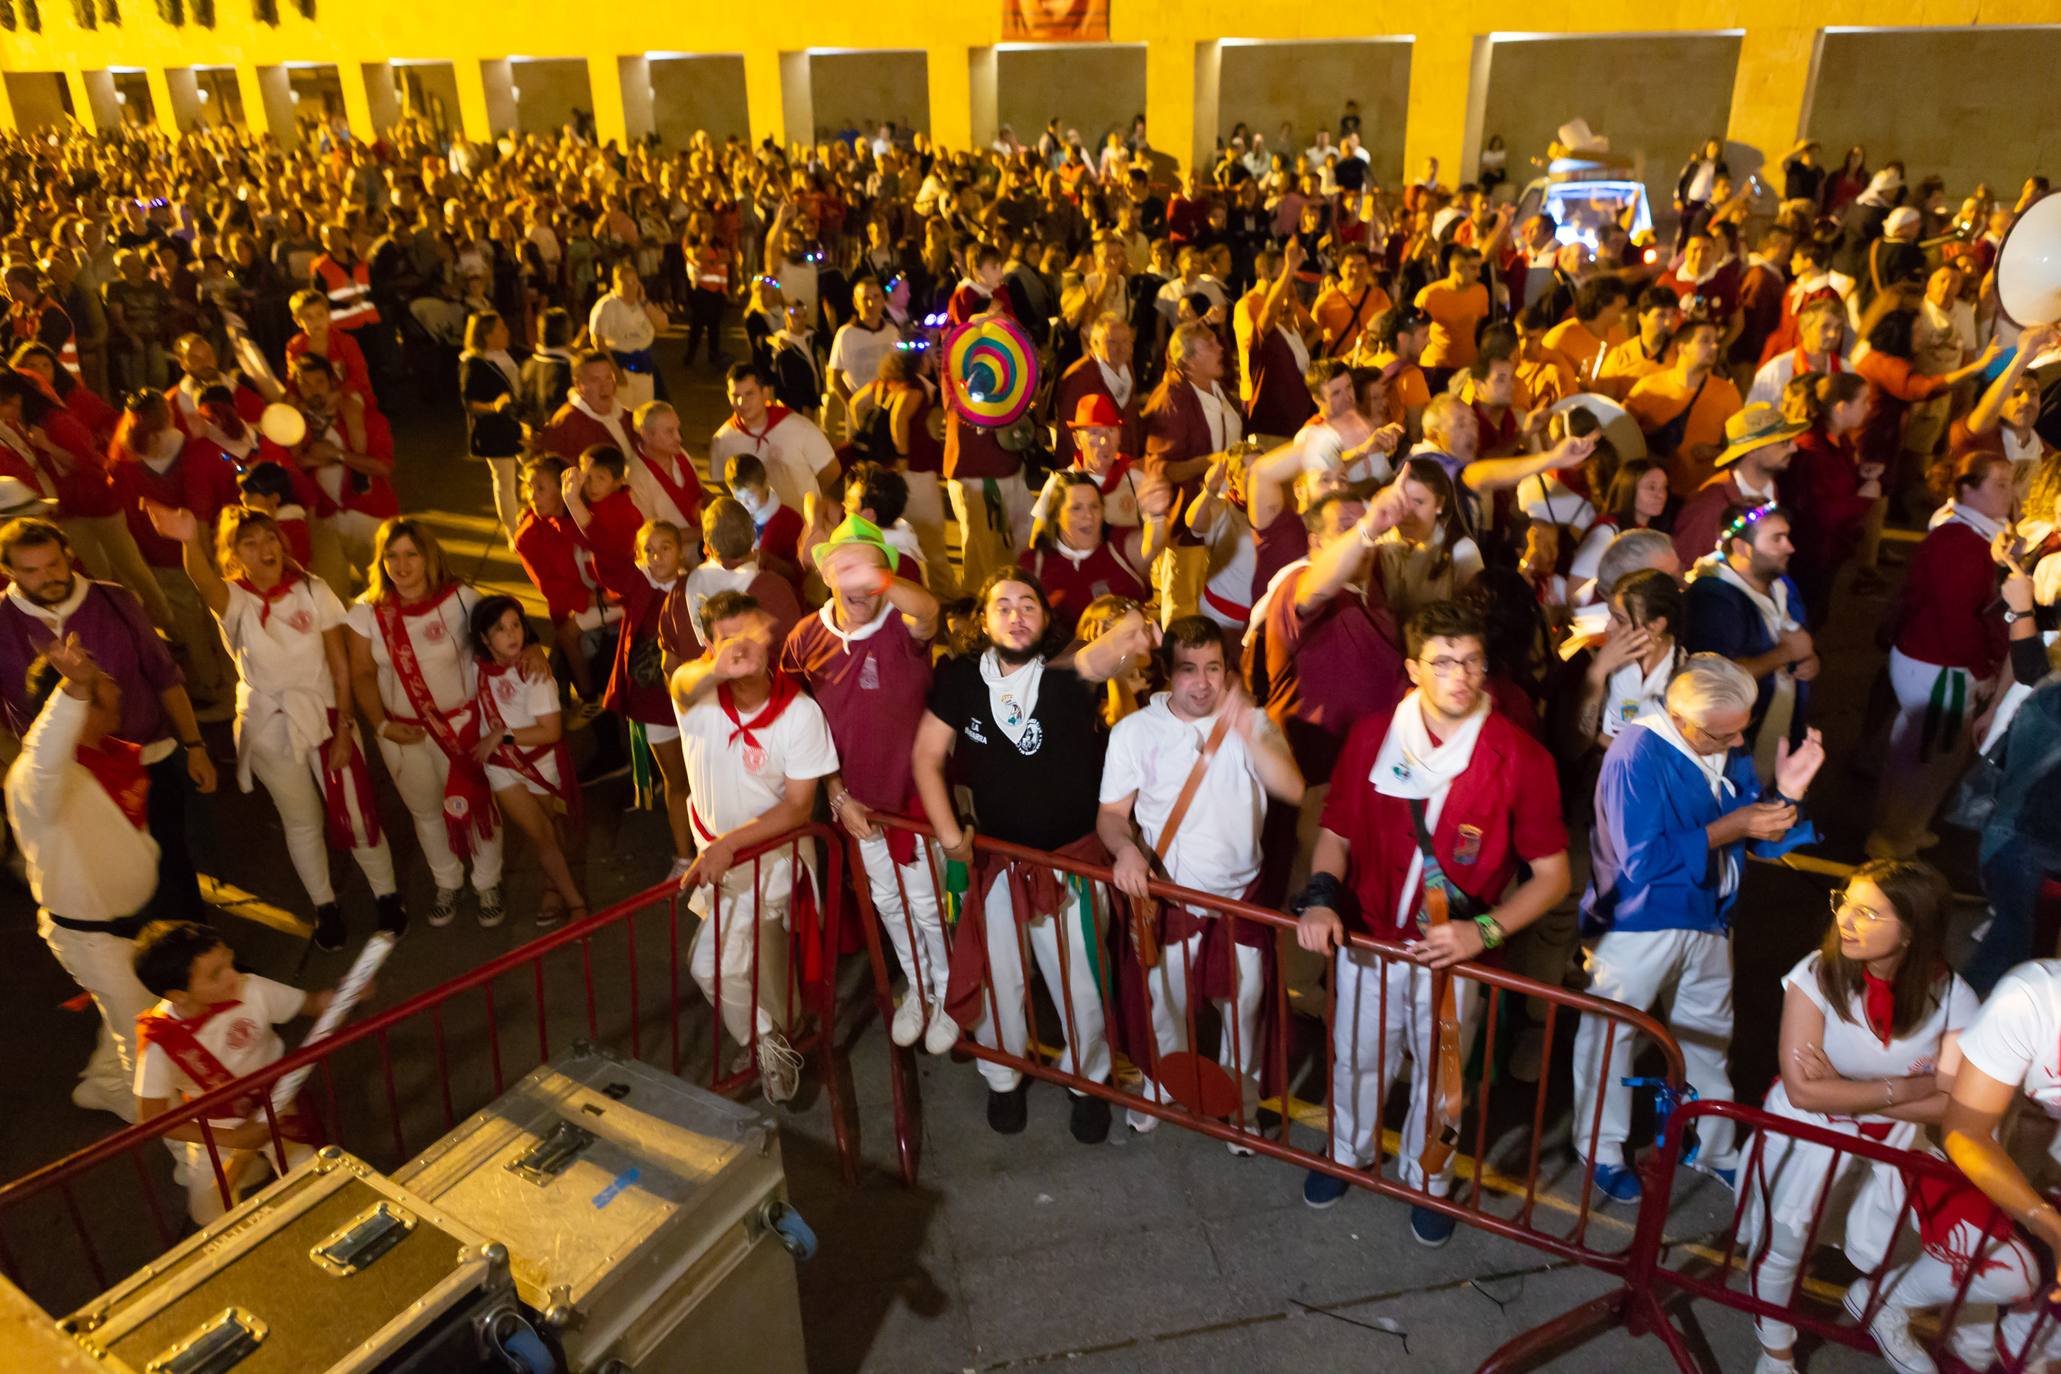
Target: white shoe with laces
column 679, row 870
column 1891, row 1328
column 779, row 1067
column 907, row 1027
column 942, row 1035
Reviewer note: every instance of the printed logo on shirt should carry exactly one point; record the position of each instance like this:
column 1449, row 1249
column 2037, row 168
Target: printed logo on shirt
column 434, row 632
column 1628, row 711
column 1033, row 736
column 869, row 674
column 300, row 622
column 505, row 690
column 973, row 731
column 1468, row 848
column 243, row 1033
column 754, row 759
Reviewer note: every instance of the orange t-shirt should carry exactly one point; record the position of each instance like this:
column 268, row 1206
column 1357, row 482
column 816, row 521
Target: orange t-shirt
column 1624, row 364
column 1581, row 346
column 1407, row 390
column 1454, row 314
column 1340, row 322
column 1549, row 377
column 1658, row 398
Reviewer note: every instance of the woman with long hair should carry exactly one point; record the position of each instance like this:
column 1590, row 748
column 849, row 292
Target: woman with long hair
column 414, row 677
column 1847, row 182
column 1427, row 556
column 489, row 383
column 1076, row 557
column 1827, row 488
column 294, row 727
column 1636, row 499
column 1869, row 1022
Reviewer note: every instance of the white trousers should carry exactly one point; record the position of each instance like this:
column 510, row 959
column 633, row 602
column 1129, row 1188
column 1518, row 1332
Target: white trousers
column 204, row 1199
column 1057, row 942
column 1239, row 1053
column 507, row 493
column 294, row 781
column 1918, row 774
column 925, row 513
column 419, row 771
column 982, row 547
column 752, row 933
column 905, row 900
column 1362, row 1029
column 101, row 965
column 1641, row 968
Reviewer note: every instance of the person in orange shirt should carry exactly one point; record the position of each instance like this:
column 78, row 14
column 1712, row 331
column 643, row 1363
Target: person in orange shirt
column 1645, row 353
column 1545, row 374
column 1349, row 306
column 1683, row 408
column 1402, row 332
column 1457, row 302
column 1596, row 327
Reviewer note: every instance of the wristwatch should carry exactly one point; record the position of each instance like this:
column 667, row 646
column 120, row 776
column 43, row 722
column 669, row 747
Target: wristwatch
column 2012, row 617
column 508, row 737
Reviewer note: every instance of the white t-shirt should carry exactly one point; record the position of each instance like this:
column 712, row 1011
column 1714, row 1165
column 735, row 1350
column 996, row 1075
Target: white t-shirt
column 1233, row 557
column 441, row 636
column 241, row 1038
column 856, row 351
column 794, row 451
column 522, row 703
column 733, row 783
column 1151, row 752
column 282, row 669
column 2014, row 1036
column 1632, row 692
column 1857, row 1052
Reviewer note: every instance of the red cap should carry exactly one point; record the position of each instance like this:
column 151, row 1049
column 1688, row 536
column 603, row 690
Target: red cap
column 1096, row 411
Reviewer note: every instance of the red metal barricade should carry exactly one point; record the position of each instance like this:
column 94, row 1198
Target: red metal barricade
column 1515, row 1202
column 389, row 1084
column 1974, row 1268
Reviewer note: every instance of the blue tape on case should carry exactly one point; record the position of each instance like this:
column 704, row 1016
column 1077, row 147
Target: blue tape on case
column 615, row 1188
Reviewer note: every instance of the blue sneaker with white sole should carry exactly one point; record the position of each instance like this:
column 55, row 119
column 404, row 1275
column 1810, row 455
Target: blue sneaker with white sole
column 1429, row 1228
column 1321, row 1190
column 1617, row 1182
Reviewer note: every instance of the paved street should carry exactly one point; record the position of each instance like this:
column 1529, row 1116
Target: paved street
column 1158, row 1252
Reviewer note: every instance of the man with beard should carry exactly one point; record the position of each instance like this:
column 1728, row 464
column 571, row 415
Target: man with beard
column 199, row 370
column 1030, row 741
column 349, row 452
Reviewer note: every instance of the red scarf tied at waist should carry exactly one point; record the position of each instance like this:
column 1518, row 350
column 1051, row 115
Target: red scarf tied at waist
column 117, row 766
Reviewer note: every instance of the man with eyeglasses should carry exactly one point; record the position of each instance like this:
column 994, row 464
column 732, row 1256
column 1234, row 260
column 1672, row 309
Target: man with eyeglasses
column 1676, row 805
column 1441, row 793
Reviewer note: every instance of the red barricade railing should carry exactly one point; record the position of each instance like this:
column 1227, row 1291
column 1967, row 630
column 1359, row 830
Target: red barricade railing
column 1515, row 1203
column 390, row 1083
column 1970, row 1270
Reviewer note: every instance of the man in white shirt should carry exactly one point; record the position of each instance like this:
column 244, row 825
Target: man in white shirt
column 76, row 798
column 756, row 748
column 859, row 345
column 1821, row 347
column 621, row 322
column 1184, row 794
column 798, row 457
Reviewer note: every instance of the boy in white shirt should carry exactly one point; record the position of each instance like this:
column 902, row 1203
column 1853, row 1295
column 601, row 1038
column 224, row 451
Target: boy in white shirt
column 213, row 1026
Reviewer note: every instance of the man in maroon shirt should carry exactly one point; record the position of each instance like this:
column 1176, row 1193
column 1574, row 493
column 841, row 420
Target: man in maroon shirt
column 865, row 657
column 1441, row 793
column 1105, row 371
column 1189, row 419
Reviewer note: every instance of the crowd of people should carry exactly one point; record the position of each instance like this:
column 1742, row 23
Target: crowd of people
column 1363, row 545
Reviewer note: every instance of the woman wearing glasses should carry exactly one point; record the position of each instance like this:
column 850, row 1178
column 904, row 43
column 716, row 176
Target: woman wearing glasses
column 1867, row 1020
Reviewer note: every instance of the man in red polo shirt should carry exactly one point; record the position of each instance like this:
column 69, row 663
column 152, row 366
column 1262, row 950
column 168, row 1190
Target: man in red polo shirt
column 1444, row 772
column 865, row 658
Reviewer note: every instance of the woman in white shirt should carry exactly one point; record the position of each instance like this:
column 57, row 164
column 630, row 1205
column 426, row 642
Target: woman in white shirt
column 1636, row 499
column 1426, row 557
column 285, row 631
column 522, row 746
column 1869, row 1024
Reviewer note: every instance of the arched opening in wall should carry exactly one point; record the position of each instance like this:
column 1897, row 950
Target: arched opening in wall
column 1965, row 129
column 697, row 92
column 550, row 93
column 1094, row 89
column 132, row 95
column 1306, row 87
column 221, row 99
column 428, row 91
column 1656, row 97
column 315, row 95
column 40, row 100
column 860, row 91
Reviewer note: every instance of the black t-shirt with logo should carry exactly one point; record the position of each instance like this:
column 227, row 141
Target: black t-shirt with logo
column 1041, row 790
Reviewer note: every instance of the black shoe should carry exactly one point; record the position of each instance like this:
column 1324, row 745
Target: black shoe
column 392, row 919
column 329, row 927
column 1090, row 1120
column 1009, row 1112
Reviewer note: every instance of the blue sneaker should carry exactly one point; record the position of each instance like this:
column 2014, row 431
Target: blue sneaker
column 1618, row 1183
column 1321, row 1190
column 1429, row 1228
column 1728, row 1177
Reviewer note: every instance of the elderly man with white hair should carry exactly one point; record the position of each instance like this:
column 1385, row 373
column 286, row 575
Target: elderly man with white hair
column 1676, row 804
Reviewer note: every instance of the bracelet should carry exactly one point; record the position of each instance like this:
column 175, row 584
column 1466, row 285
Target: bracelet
column 1492, row 933
column 1796, row 802
column 1889, row 1091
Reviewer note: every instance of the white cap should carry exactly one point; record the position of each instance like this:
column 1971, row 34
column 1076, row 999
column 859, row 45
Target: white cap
column 1903, row 219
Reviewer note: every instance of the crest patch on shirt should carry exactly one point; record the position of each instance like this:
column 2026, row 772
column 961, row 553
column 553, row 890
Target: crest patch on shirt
column 1467, row 848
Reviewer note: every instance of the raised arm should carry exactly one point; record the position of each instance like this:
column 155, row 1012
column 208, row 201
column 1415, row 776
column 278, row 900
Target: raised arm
column 182, row 527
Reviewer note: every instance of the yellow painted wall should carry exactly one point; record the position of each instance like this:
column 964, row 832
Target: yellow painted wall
column 1091, row 89
column 860, row 90
column 37, row 98
column 1307, row 84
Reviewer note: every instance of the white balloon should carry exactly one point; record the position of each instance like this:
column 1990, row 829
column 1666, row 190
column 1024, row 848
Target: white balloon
column 283, row 425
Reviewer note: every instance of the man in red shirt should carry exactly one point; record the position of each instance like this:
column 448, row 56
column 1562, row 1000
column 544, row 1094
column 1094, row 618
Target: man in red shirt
column 1444, row 793
column 865, row 658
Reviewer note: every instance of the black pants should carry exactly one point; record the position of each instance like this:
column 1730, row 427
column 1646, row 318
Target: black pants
column 178, row 887
column 705, row 320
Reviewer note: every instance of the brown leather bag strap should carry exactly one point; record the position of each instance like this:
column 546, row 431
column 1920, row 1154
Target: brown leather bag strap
column 1191, row 786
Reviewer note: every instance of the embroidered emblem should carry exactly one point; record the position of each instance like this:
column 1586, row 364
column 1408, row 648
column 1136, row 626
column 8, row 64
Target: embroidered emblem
column 1033, row 736
column 869, row 674
column 754, row 759
column 1467, row 849
column 243, row 1033
column 300, row 622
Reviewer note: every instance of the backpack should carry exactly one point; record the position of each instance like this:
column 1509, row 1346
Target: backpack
column 874, row 439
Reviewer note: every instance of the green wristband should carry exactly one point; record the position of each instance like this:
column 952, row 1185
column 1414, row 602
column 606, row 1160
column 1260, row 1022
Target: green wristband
column 1491, row 931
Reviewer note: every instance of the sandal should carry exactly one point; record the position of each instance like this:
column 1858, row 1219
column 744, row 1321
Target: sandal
column 550, row 909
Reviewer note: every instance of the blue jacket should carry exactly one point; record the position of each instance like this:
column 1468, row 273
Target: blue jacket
column 1651, row 864
column 1722, row 621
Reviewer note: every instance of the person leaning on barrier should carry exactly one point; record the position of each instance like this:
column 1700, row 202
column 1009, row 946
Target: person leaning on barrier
column 1441, row 792
column 1676, row 803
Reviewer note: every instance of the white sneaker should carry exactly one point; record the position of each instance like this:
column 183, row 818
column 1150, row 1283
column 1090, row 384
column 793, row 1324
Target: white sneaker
column 1891, row 1329
column 1774, row 1364
column 444, row 910
column 907, row 1027
column 1141, row 1123
column 943, row 1034
column 90, row 1096
column 779, row 1067
column 678, row 870
column 1974, row 1343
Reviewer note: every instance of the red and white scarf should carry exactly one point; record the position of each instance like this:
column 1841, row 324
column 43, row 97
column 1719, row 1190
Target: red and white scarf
column 178, row 1037
column 488, row 724
column 469, row 812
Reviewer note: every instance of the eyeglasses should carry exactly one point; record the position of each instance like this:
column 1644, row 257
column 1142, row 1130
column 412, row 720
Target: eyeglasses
column 1444, row 668
column 1842, row 906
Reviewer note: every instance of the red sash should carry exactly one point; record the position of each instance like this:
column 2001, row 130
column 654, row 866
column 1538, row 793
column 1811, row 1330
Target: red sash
column 117, row 766
column 686, row 496
column 287, row 582
column 358, row 779
column 468, row 803
column 1226, row 607
column 516, row 759
column 177, row 1037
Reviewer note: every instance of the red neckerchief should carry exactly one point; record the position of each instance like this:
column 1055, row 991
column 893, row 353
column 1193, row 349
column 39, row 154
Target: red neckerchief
column 686, row 495
column 775, row 413
column 1878, row 1001
column 784, row 691
column 426, row 604
column 1117, row 471
column 288, row 580
column 117, row 766
column 469, row 814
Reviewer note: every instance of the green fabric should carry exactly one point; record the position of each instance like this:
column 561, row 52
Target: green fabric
column 957, row 881
column 643, row 769
column 1084, row 900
